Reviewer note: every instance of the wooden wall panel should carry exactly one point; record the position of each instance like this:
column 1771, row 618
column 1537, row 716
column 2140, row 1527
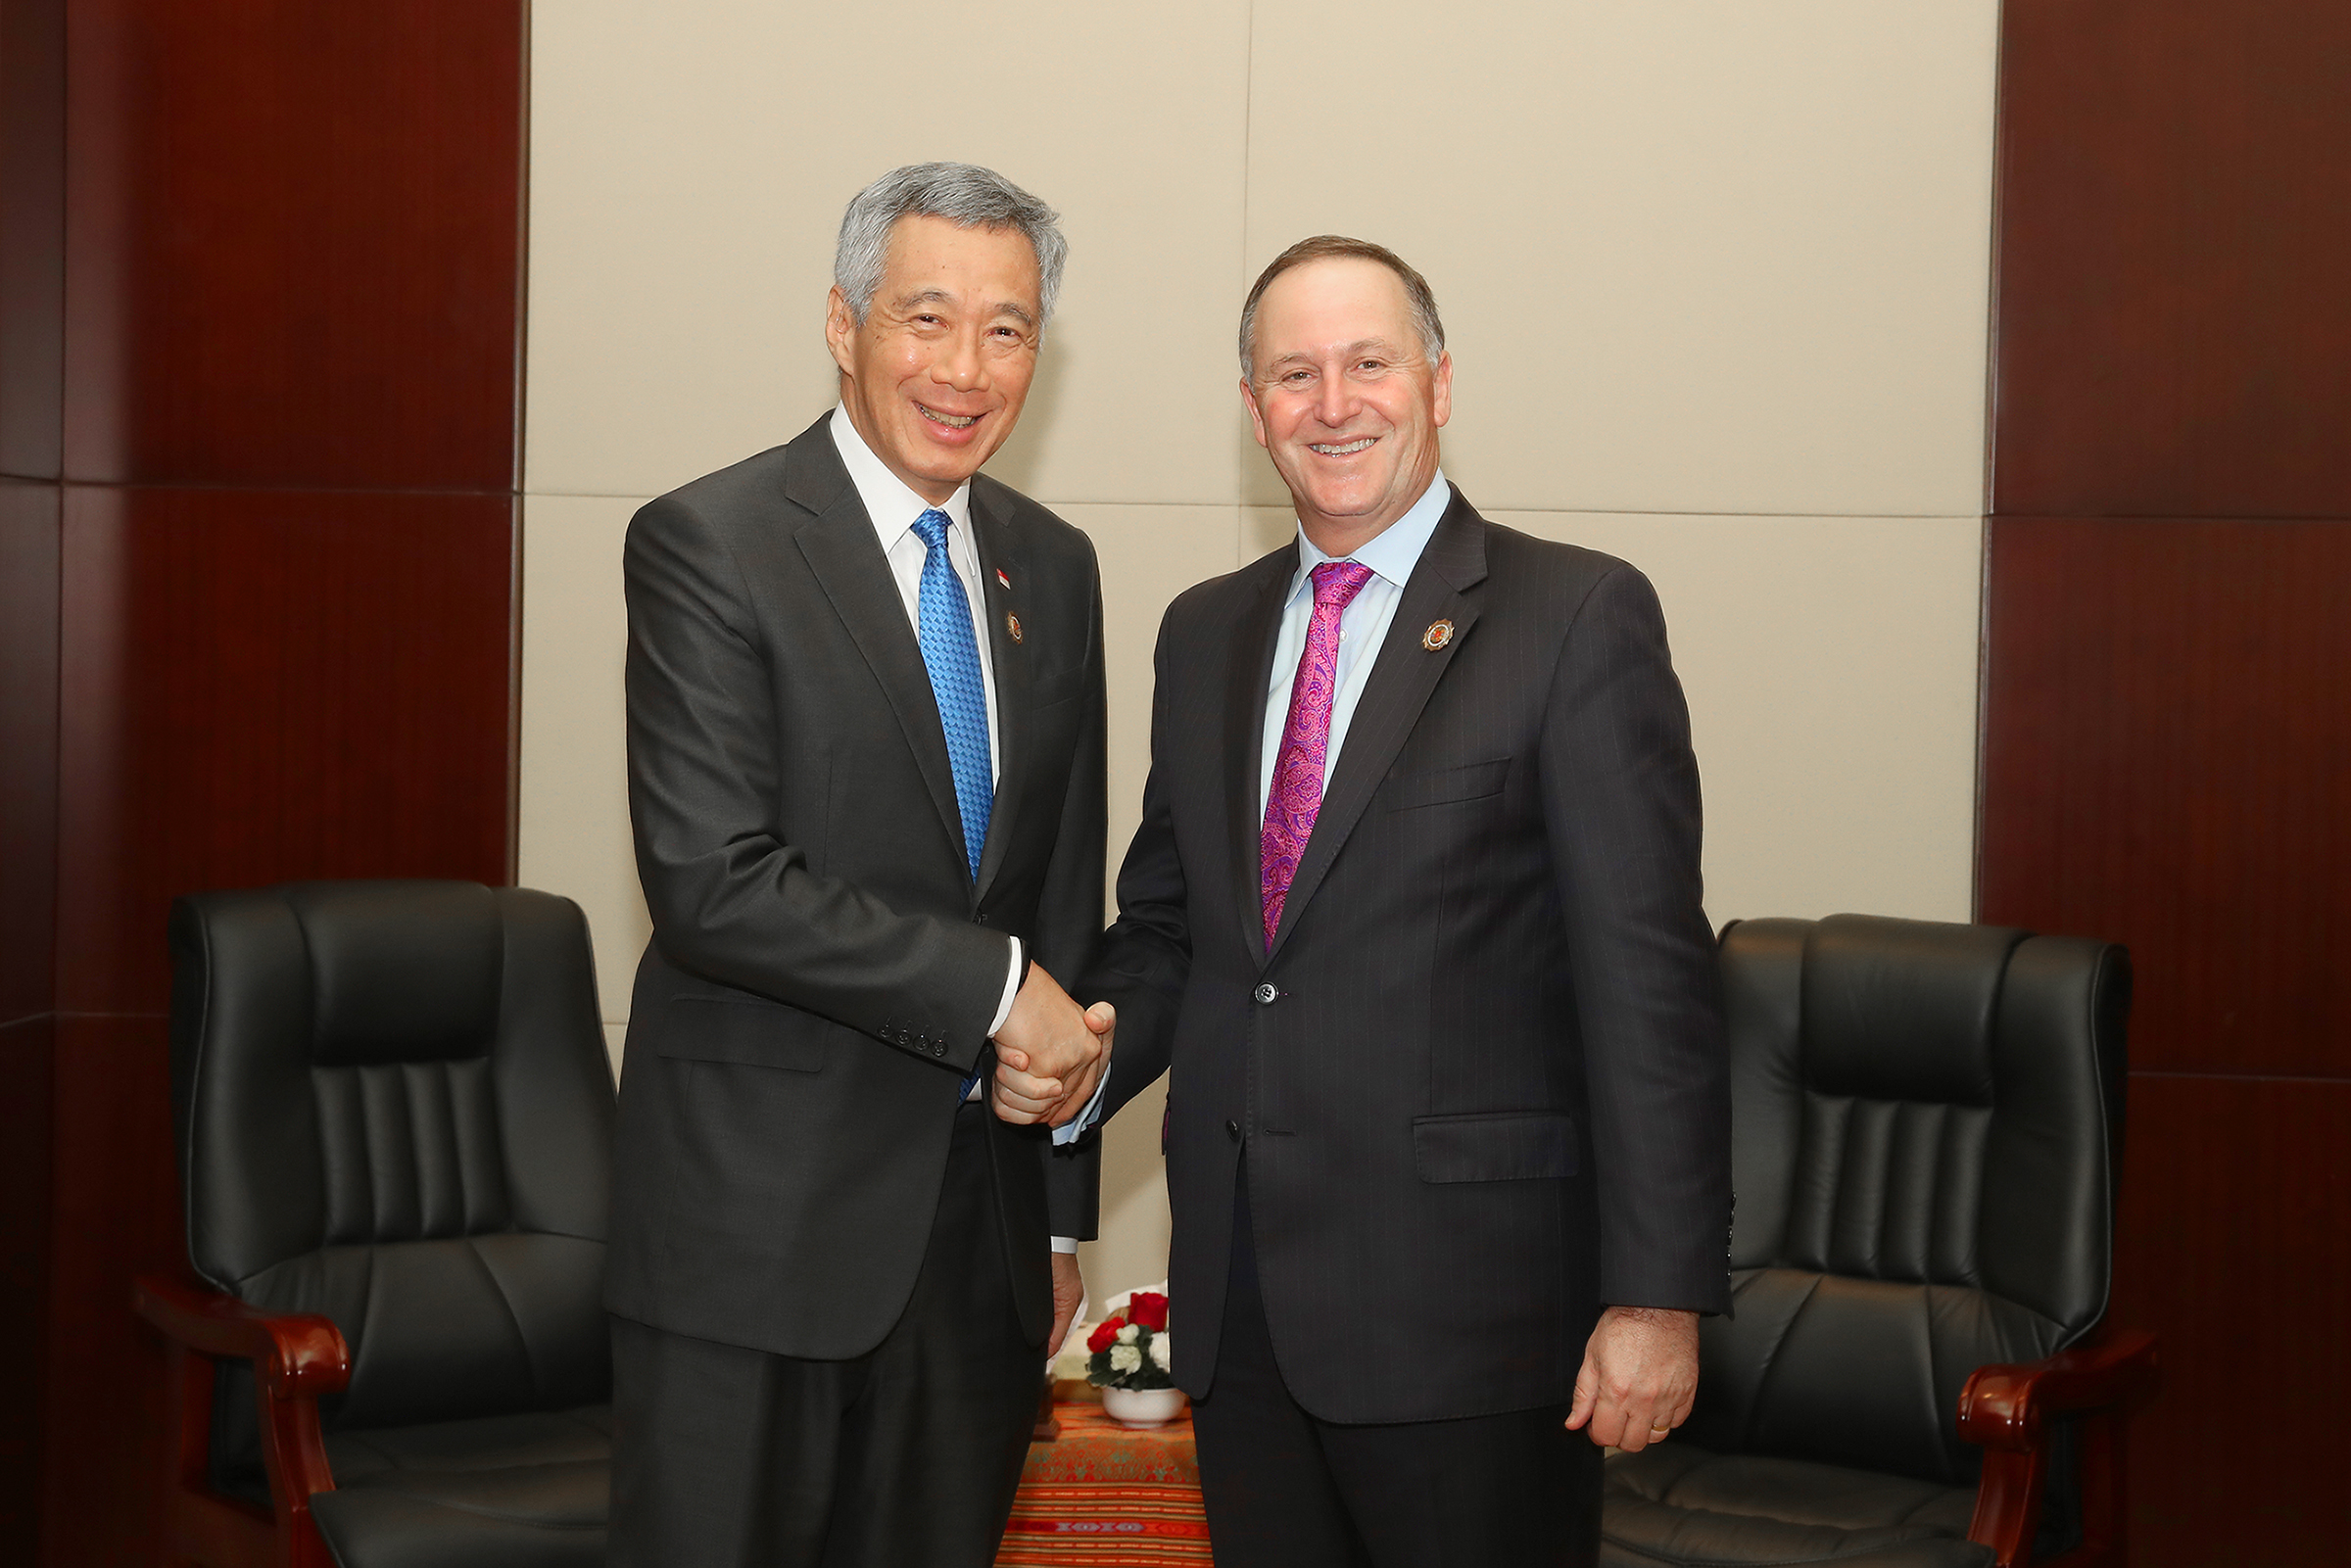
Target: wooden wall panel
column 266, row 624
column 29, row 628
column 114, row 1215
column 27, row 1047
column 2175, row 213
column 2234, row 1209
column 2166, row 763
column 2167, row 745
column 303, row 225
column 32, row 236
column 268, row 684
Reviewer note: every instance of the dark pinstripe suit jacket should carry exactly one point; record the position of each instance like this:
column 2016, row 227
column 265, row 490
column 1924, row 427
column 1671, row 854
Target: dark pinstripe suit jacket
column 1488, row 1092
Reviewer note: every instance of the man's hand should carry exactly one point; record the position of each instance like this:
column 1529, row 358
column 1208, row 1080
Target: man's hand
column 1053, row 1052
column 1069, row 1295
column 1640, row 1374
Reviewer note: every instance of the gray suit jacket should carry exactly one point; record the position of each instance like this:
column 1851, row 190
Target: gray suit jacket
column 823, row 967
column 1480, row 1077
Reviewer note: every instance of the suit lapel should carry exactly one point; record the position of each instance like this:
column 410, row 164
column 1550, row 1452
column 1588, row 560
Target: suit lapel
column 841, row 550
column 1246, row 681
column 1401, row 679
column 991, row 532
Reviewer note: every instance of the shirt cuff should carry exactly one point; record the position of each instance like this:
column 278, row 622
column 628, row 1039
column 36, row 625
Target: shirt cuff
column 1070, row 1131
column 1065, row 1243
column 1012, row 985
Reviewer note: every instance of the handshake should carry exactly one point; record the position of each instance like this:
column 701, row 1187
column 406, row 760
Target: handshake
column 1050, row 1055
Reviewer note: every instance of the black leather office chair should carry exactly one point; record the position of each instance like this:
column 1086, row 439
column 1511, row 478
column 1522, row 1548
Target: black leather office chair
column 1926, row 1137
column 394, row 1113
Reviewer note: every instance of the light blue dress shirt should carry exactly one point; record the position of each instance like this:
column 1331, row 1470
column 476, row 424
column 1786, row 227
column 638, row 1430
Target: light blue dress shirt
column 1362, row 625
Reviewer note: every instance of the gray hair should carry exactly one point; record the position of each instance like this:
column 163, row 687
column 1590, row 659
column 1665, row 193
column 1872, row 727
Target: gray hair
column 1417, row 292
column 966, row 195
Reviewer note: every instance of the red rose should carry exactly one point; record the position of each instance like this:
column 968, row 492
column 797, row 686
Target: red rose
column 1149, row 1308
column 1105, row 1334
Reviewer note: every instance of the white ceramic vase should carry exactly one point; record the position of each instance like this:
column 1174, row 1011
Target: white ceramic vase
column 1142, row 1407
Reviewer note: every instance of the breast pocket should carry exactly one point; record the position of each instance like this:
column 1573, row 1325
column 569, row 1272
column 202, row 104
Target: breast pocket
column 1474, row 781
column 754, row 1034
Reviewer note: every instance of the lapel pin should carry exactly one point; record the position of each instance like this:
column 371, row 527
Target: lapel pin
column 1012, row 624
column 1439, row 634
column 1002, row 579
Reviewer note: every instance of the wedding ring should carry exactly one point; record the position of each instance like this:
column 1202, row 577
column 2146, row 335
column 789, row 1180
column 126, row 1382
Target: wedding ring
column 1661, row 1431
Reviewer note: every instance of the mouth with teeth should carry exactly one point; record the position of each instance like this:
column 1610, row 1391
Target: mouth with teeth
column 1341, row 448
column 952, row 421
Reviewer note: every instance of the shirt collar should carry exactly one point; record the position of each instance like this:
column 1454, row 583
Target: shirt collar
column 890, row 506
column 1394, row 550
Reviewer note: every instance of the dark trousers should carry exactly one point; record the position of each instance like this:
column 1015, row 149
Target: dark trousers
column 1287, row 1490
column 727, row 1457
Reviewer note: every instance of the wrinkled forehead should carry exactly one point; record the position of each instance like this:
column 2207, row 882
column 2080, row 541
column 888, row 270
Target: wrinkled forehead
column 1333, row 304
column 934, row 259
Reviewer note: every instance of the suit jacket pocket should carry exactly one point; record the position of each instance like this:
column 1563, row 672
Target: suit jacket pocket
column 1469, row 781
column 758, row 1035
column 1494, row 1146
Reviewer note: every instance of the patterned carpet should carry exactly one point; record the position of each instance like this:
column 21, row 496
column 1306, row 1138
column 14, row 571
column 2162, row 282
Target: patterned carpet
column 1102, row 1497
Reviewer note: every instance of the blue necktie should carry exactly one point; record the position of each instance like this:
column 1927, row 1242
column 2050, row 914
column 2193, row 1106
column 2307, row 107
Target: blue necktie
column 952, row 657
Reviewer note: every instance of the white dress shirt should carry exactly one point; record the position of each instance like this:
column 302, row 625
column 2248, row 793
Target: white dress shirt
column 892, row 510
column 1362, row 625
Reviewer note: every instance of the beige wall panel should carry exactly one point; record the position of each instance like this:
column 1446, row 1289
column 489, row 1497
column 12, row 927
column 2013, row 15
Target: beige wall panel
column 1830, row 665
column 575, row 791
column 689, row 166
column 1694, row 255
column 1149, row 554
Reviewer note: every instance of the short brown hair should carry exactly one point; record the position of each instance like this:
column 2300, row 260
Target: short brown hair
column 1322, row 246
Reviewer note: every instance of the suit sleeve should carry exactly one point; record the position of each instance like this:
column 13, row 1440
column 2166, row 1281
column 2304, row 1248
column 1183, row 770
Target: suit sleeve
column 731, row 900
column 1620, row 797
column 1146, row 956
column 1068, row 917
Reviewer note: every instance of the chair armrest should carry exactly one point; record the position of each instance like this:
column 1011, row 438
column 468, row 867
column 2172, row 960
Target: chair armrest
column 298, row 1356
column 2009, row 1406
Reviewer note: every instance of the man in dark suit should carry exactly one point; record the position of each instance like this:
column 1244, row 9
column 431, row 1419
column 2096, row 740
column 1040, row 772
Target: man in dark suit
column 866, row 778
column 1413, row 920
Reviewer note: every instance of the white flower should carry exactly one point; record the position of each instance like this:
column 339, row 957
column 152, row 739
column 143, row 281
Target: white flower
column 1127, row 1334
column 1162, row 1356
column 1125, row 1359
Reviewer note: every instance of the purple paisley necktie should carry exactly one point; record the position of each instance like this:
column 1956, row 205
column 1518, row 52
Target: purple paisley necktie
column 1297, row 792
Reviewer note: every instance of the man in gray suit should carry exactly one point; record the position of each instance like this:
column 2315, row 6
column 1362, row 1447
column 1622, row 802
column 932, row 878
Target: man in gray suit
column 865, row 711
column 1412, row 922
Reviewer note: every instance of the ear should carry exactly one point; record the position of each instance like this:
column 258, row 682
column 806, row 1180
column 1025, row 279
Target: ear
column 840, row 329
column 1442, row 389
column 1257, row 420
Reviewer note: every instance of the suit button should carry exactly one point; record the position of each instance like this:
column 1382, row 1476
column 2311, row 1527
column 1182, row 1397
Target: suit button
column 1266, row 994
column 1233, row 1130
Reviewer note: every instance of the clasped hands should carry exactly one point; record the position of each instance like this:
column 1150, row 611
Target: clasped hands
column 1050, row 1054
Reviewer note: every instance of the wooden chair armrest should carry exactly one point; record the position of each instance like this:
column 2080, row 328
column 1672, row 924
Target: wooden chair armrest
column 2009, row 1406
column 298, row 1356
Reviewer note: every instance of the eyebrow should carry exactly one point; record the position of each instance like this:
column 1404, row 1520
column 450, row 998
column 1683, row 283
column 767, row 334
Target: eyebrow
column 914, row 301
column 1301, row 357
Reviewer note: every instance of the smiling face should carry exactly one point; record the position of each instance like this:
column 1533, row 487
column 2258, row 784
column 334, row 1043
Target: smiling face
column 1343, row 397
column 935, row 376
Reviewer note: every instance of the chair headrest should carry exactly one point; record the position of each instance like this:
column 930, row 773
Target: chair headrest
column 1936, row 988
column 400, row 971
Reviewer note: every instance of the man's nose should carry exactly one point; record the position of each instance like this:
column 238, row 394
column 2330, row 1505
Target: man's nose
column 1334, row 403
column 961, row 364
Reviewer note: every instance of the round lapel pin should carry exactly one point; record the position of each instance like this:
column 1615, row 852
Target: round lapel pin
column 1012, row 625
column 1439, row 634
